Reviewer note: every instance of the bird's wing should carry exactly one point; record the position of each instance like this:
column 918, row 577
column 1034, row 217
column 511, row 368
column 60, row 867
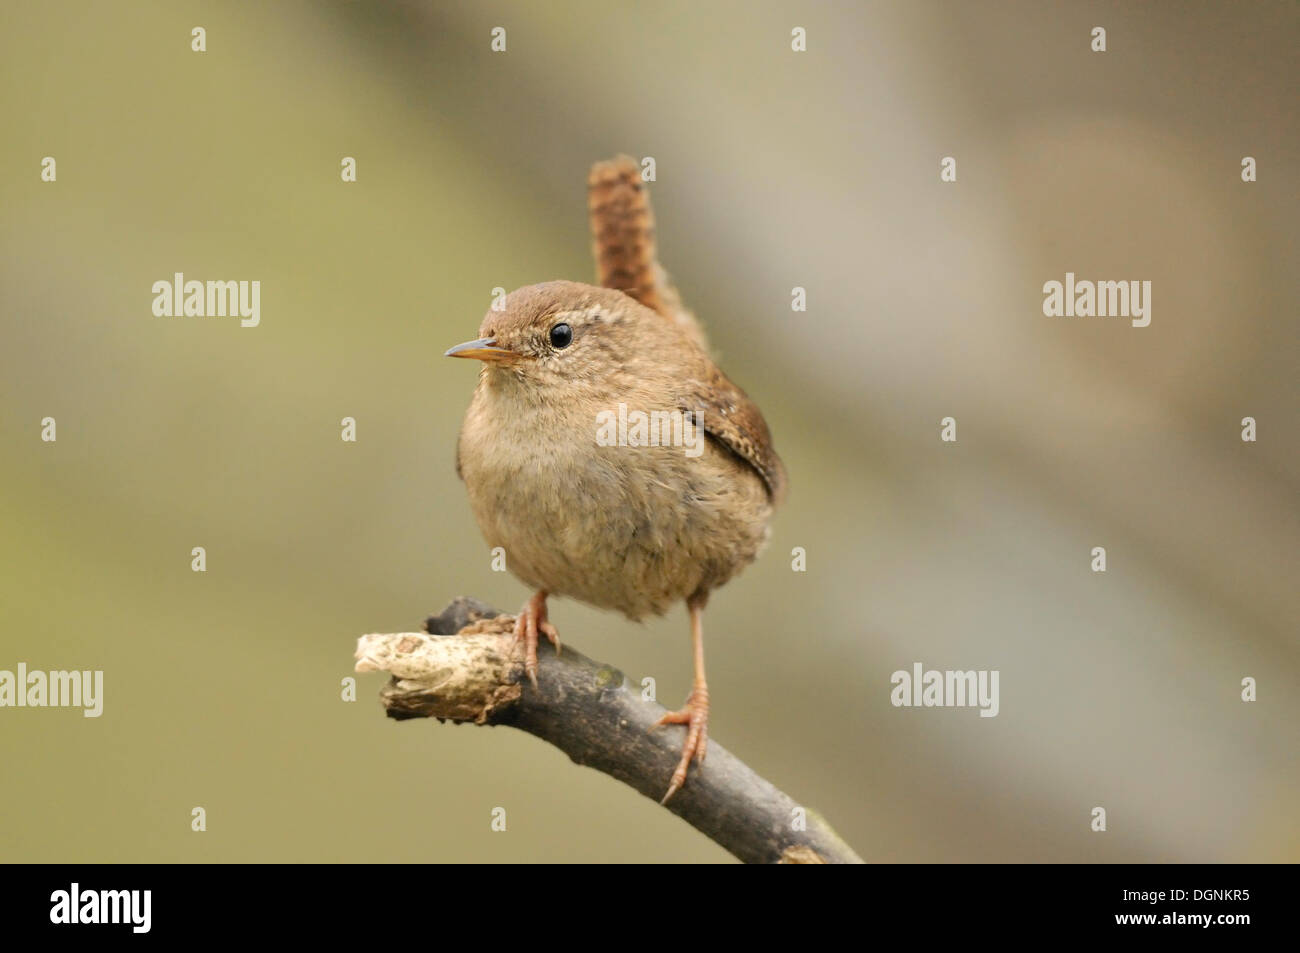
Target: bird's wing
column 623, row 241
column 623, row 234
column 731, row 418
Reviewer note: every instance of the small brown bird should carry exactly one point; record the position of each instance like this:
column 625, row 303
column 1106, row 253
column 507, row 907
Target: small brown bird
column 566, row 468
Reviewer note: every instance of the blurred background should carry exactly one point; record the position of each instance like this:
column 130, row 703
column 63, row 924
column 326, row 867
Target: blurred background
column 775, row 169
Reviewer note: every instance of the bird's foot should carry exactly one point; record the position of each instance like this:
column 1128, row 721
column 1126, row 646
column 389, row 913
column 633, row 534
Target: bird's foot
column 530, row 621
column 696, row 718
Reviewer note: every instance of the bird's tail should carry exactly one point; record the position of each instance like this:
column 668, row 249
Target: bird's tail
column 623, row 235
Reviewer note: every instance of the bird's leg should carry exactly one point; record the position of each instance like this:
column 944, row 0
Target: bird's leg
column 531, row 620
column 696, row 713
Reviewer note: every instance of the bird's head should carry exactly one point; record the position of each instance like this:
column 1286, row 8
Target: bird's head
column 564, row 336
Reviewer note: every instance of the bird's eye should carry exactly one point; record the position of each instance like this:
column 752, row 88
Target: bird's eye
column 561, row 336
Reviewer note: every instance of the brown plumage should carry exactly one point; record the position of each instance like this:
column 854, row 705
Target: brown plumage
column 623, row 242
column 631, row 527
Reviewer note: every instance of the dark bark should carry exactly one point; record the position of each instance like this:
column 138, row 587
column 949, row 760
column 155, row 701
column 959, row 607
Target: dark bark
column 591, row 713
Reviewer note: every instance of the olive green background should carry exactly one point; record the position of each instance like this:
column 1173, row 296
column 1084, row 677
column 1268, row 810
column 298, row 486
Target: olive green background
column 775, row 169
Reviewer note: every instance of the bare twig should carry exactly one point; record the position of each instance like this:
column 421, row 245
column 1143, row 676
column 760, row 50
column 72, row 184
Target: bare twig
column 464, row 670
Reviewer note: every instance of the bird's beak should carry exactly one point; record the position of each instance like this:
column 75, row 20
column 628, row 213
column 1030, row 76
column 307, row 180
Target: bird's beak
column 484, row 349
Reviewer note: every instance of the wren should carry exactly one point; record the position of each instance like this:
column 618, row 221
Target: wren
column 637, row 526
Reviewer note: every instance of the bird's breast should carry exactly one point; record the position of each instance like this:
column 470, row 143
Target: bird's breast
column 617, row 525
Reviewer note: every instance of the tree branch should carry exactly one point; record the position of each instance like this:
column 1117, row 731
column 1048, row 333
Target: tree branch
column 464, row 670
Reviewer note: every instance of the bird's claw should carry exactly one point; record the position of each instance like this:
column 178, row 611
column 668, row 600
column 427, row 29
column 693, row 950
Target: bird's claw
column 530, row 621
column 695, row 715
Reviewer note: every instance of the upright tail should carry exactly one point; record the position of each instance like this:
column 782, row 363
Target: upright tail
column 623, row 235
